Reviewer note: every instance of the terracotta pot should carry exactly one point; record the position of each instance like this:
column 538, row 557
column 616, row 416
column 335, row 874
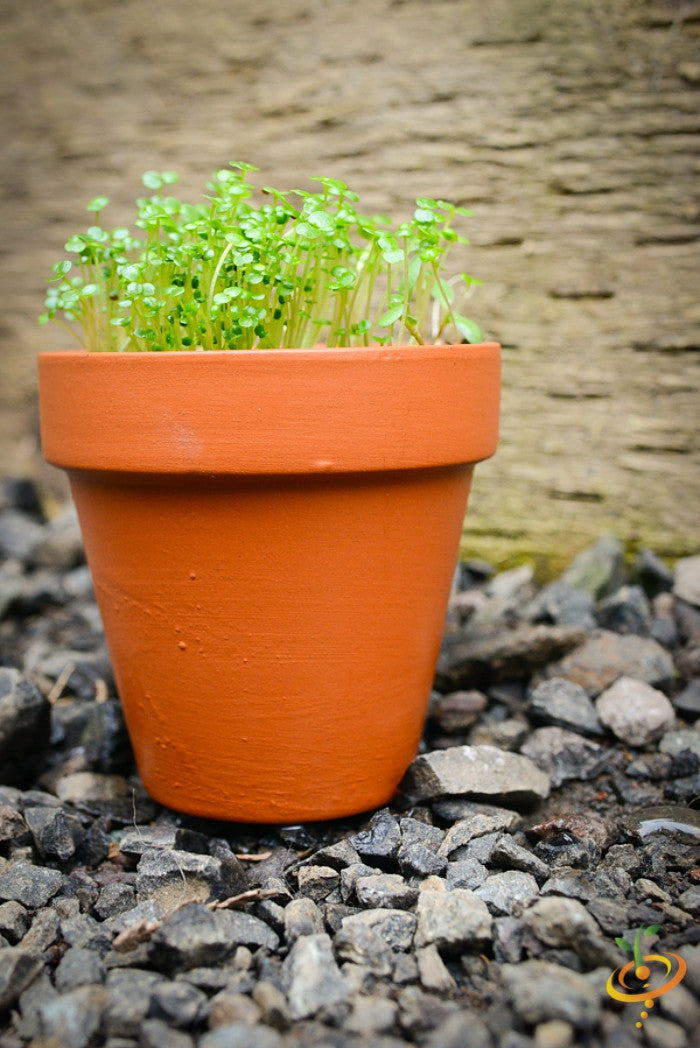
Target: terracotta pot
column 272, row 537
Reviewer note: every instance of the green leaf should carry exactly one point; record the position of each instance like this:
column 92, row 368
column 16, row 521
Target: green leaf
column 623, row 944
column 322, row 220
column 97, row 203
column 424, row 216
column 305, row 230
column 394, row 256
column 152, row 180
column 391, row 315
column 470, row 330
column 652, row 929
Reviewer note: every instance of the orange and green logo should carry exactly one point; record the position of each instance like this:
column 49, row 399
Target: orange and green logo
column 646, row 976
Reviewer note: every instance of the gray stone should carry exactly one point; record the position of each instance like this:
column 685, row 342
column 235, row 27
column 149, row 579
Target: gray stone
column 510, row 654
column 687, row 702
column 272, row 1004
column 380, row 842
column 690, row 901
column 478, row 849
column 193, row 936
column 61, row 545
column 385, row 890
column 559, row 921
column 173, row 877
column 477, row 770
column 564, row 704
column 653, row 574
column 606, row 656
column 626, row 611
column 84, row 931
column 686, row 583
column 232, row 1006
column 419, row 860
column 148, row 911
column 395, row 927
column 463, row 1029
column 178, row 1003
column 14, row 921
column 452, row 809
column 566, row 923
column 562, row 604
column 564, row 755
column 79, row 967
column 17, row 970
column 239, row 1035
column 691, row 956
column 415, row 831
column 19, row 534
column 554, row 1034
column 302, row 917
column 466, row 873
column 458, row 710
column 481, row 824
column 432, row 971
column 313, row 977
column 12, row 824
column 505, row 734
column 114, row 899
column 83, row 788
column 317, row 882
column 405, row 969
column 363, row 945
column 681, row 1007
column 129, row 993
column 349, row 877
column 674, row 742
column 635, row 712
column 25, row 726
column 540, row 991
column 371, row 1015
column 599, row 569
column 135, row 840
column 338, row 855
column 660, row 1033
column 155, row 1033
column 26, row 1012
column 452, row 920
column 31, row 885
column 507, row 892
column 57, row 834
column 43, row 933
column 507, row 853
column 73, row 1018
column 420, row 1011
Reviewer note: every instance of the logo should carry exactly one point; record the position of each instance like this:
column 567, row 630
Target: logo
column 646, row 976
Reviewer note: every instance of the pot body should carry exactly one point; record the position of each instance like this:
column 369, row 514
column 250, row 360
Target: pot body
column 272, row 537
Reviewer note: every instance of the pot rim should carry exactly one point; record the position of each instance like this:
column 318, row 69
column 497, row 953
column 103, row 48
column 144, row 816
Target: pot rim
column 282, row 411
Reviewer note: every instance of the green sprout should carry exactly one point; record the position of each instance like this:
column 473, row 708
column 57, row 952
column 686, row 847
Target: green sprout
column 636, row 948
column 299, row 269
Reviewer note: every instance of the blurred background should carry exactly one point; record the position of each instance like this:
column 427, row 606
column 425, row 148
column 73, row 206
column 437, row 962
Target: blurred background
column 569, row 126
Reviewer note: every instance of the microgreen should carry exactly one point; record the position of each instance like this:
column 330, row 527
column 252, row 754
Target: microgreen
column 298, row 269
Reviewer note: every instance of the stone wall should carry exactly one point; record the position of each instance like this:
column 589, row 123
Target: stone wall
column 570, row 126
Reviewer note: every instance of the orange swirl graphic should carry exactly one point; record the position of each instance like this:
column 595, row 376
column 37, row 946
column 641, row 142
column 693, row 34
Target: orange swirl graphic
column 643, row 972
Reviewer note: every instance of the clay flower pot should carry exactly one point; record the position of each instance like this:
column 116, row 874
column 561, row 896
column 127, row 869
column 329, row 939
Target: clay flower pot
column 272, row 536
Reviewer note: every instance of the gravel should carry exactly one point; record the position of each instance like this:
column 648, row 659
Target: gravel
column 550, row 812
